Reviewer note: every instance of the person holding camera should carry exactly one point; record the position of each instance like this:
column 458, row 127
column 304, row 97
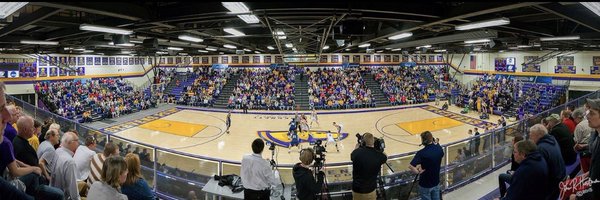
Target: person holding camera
column 366, row 164
column 256, row 173
column 306, row 185
column 427, row 163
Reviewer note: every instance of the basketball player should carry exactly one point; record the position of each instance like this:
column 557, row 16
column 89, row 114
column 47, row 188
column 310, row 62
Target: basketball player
column 294, row 141
column 228, row 121
column 293, row 126
column 314, row 118
column 331, row 139
column 339, row 129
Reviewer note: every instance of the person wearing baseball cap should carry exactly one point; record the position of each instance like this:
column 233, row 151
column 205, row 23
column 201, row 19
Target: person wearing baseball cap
column 593, row 118
column 565, row 140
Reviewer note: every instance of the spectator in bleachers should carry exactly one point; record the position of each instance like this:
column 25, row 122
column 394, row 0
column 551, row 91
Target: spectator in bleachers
column 206, row 87
column 96, row 165
column 83, row 157
column 505, row 178
column 264, row 89
column 114, row 174
column 135, row 187
column 338, row 89
column 47, row 122
column 565, row 141
column 62, row 167
column 52, row 138
column 34, row 140
column 550, row 150
column 23, row 151
column 105, row 97
column 593, row 118
column 581, row 138
column 10, row 132
column 531, row 178
column 568, row 121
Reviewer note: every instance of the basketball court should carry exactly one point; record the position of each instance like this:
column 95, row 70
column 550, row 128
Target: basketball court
column 199, row 131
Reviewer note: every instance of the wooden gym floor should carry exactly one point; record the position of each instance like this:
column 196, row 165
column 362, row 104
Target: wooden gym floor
column 201, row 132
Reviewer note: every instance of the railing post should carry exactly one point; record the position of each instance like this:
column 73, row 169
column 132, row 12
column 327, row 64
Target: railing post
column 446, row 167
column 493, row 143
column 155, row 168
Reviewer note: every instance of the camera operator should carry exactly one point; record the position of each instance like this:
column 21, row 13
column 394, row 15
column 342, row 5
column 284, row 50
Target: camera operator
column 366, row 164
column 427, row 163
column 256, row 173
column 306, row 185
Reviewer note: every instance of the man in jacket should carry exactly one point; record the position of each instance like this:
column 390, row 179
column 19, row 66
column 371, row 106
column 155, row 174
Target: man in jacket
column 306, row 185
column 532, row 169
column 550, row 150
column 565, row 140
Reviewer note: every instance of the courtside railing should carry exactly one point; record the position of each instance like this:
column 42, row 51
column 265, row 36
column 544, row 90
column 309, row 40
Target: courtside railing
column 174, row 174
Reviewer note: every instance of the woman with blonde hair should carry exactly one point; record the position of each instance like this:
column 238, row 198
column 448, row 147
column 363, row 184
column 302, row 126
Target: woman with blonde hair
column 114, row 173
column 135, row 187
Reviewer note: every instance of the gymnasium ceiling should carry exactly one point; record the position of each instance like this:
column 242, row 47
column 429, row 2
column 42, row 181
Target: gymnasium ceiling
column 308, row 26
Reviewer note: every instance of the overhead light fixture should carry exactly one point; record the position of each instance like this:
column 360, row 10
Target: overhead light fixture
column 278, row 33
column 79, row 49
column 40, row 42
column 347, row 49
column 289, row 45
column 270, row 48
column 380, row 51
column 388, row 48
column 483, row 24
column 210, row 49
column 294, row 49
column 424, row 46
column 161, row 52
column 229, row 46
column 364, row 45
column 257, row 52
column 233, row 32
column 282, row 37
column 398, row 49
column 105, row 29
column 477, row 41
column 248, row 50
column 575, row 37
column 183, row 54
column 126, row 52
column 439, row 50
column 249, row 19
column 136, row 41
column 400, row 36
column 326, row 47
column 221, row 53
column 87, row 51
column 477, row 49
column 523, row 46
column 190, row 38
column 8, row 8
column 593, row 6
column 126, row 44
column 236, row 7
column 68, row 48
column 202, row 51
column 175, row 48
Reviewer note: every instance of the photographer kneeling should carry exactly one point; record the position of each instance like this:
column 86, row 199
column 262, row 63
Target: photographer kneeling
column 306, row 185
column 366, row 164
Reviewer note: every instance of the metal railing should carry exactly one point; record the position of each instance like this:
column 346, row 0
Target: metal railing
column 173, row 174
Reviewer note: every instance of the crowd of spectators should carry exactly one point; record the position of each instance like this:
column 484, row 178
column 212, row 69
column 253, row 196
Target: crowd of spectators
column 338, row 89
column 81, row 100
column 403, row 85
column 206, row 87
column 264, row 88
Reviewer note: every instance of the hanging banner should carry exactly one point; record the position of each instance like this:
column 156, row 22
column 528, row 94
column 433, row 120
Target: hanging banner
column 531, row 67
column 565, row 69
column 43, row 72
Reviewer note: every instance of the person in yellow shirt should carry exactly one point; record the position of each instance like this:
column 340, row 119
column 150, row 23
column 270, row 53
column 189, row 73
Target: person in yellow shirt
column 34, row 140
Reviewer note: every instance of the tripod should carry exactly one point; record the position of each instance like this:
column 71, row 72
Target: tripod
column 274, row 167
column 324, row 188
column 381, row 192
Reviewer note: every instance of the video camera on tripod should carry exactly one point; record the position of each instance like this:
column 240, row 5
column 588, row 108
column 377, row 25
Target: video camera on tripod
column 379, row 143
column 319, row 154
